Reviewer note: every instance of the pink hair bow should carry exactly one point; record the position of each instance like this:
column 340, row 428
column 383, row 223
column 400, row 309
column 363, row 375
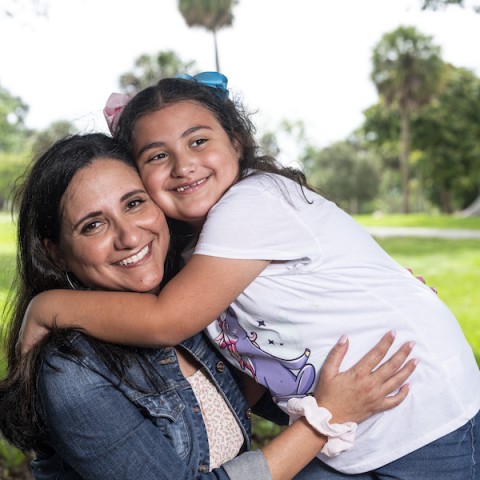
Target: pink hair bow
column 115, row 104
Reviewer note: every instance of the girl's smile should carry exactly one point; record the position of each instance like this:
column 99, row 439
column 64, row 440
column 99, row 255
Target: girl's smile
column 186, row 160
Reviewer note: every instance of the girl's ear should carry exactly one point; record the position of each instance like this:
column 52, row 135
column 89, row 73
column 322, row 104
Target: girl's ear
column 238, row 148
column 55, row 253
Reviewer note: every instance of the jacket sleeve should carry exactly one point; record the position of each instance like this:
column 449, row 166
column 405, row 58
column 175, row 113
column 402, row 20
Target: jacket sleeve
column 100, row 434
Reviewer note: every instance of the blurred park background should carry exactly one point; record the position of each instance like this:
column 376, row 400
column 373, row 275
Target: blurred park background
column 390, row 132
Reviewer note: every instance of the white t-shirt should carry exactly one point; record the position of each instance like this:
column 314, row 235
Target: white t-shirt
column 331, row 278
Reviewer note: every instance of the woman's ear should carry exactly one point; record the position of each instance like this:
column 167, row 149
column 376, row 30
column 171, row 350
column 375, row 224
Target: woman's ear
column 55, row 253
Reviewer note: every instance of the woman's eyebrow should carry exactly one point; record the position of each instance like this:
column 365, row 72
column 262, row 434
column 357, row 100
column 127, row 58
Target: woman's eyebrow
column 132, row 193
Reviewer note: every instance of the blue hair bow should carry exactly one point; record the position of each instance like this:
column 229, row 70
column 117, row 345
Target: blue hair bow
column 214, row 80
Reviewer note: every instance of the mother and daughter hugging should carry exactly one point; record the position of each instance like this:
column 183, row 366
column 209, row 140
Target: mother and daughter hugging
column 175, row 231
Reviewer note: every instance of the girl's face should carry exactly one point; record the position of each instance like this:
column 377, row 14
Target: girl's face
column 186, row 160
column 113, row 236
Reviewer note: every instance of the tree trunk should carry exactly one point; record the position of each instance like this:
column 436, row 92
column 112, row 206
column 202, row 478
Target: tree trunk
column 446, row 201
column 404, row 154
column 473, row 210
column 217, row 61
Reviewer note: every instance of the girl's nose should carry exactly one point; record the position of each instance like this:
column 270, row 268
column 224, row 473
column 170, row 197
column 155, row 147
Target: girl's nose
column 184, row 165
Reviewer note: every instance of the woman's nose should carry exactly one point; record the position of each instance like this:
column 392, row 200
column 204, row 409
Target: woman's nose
column 128, row 235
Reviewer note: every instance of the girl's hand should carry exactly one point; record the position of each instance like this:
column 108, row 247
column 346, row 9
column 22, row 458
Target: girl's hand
column 33, row 328
column 366, row 388
column 421, row 279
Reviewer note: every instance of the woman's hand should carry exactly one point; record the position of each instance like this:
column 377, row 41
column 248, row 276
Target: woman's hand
column 366, row 388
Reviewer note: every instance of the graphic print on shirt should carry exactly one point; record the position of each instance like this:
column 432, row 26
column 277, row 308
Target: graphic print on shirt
column 283, row 377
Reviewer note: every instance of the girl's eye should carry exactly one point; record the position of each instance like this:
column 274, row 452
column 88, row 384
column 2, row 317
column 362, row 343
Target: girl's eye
column 91, row 227
column 200, row 141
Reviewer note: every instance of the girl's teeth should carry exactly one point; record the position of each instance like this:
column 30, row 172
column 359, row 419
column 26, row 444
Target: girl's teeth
column 182, row 189
column 135, row 258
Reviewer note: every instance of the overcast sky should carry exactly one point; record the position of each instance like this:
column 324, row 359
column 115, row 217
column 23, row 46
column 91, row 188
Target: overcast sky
column 298, row 60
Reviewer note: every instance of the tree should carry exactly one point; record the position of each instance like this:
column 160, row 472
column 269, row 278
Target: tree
column 474, row 208
column 43, row 140
column 345, row 173
column 13, row 131
column 407, row 71
column 447, row 132
column 212, row 15
column 149, row 69
column 437, row 4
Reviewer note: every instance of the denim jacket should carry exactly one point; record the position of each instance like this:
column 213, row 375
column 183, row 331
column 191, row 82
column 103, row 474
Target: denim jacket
column 101, row 428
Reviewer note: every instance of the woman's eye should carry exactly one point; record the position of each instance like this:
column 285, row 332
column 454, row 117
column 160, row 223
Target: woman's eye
column 91, row 227
column 134, row 203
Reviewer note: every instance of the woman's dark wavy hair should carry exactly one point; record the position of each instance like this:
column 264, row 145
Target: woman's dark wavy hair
column 230, row 113
column 38, row 202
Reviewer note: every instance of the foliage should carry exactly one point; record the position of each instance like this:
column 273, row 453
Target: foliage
column 12, row 167
column 212, row 15
column 345, row 173
column 13, row 131
column 44, row 139
column 445, row 152
column 14, row 465
column 447, row 133
column 209, row 14
column 149, row 69
column 438, row 4
column 407, row 70
column 263, row 431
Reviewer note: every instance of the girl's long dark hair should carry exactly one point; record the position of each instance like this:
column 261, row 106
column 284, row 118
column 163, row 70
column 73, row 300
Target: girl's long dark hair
column 38, row 203
column 232, row 116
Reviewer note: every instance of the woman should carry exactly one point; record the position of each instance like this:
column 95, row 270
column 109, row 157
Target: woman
column 95, row 410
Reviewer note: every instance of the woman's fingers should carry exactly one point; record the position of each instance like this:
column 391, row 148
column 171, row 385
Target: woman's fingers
column 374, row 357
column 395, row 381
column 334, row 358
column 395, row 362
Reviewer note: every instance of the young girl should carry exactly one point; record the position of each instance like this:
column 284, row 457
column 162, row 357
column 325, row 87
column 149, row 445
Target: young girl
column 284, row 271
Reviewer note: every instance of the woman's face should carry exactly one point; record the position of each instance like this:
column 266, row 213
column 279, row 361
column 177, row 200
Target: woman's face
column 186, row 160
column 113, row 236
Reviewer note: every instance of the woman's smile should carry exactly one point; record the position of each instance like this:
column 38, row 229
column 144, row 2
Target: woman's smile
column 137, row 258
column 114, row 237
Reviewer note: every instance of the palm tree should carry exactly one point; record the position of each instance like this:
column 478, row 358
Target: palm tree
column 209, row 14
column 149, row 69
column 407, row 71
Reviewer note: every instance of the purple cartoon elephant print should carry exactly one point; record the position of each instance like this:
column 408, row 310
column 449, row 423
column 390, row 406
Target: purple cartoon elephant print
column 281, row 376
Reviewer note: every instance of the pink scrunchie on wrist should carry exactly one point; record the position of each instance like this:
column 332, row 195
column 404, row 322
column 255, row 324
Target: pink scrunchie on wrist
column 341, row 436
column 115, row 104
